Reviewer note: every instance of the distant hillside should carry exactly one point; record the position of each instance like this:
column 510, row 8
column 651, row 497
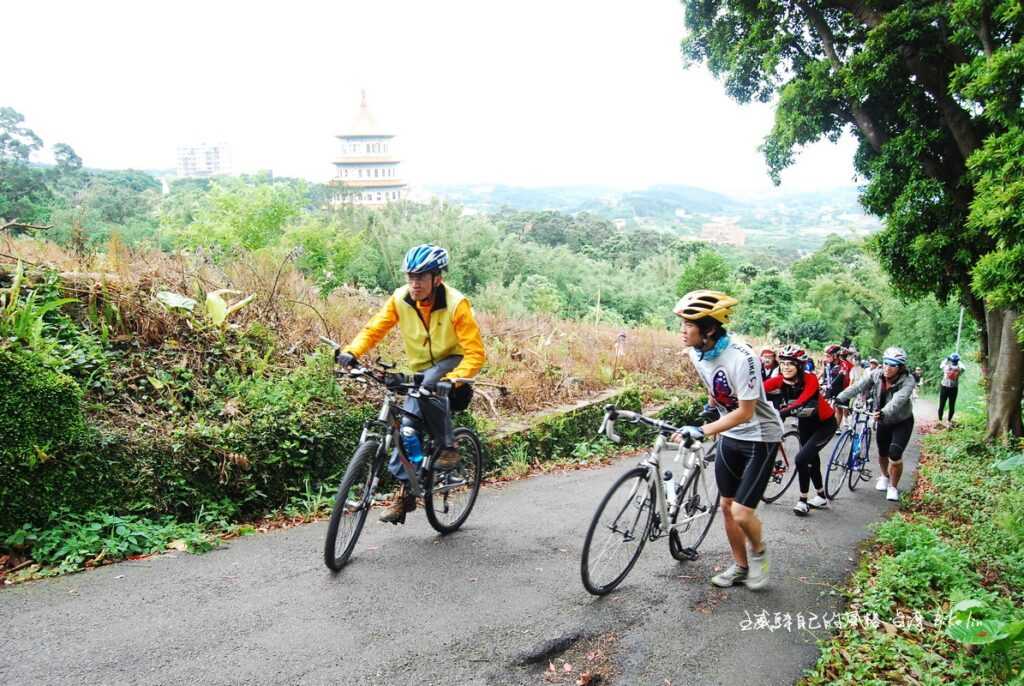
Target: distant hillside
column 761, row 220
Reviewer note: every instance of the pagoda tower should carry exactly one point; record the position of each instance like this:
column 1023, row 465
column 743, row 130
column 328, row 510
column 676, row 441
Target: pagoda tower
column 367, row 166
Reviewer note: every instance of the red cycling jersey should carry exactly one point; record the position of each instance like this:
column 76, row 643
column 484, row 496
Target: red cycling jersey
column 803, row 395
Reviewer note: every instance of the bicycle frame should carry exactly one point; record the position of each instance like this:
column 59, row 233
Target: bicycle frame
column 692, row 452
column 863, row 424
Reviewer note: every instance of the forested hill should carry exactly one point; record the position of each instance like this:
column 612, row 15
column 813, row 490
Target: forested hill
column 685, row 210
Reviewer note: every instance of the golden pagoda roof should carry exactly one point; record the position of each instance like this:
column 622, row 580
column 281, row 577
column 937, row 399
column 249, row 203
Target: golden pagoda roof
column 364, row 124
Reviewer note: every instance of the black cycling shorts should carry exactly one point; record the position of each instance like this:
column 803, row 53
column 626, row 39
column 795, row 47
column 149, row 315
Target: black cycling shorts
column 742, row 469
column 894, row 438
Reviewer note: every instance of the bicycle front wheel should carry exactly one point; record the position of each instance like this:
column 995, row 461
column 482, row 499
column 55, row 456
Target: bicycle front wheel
column 618, row 532
column 784, row 470
column 351, row 505
column 698, row 502
column 449, row 496
column 838, row 464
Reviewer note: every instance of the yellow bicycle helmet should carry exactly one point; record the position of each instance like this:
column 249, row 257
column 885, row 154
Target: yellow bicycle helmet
column 697, row 305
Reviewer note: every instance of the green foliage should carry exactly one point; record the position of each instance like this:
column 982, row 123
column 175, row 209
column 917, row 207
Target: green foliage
column 235, row 214
column 769, row 299
column 69, row 542
column 921, row 572
column 40, row 410
column 706, row 269
column 954, row 556
column 932, row 93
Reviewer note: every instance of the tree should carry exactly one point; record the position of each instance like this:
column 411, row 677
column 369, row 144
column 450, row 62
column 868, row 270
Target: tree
column 67, row 159
column 24, row 194
column 766, row 304
column 17, row 143
column 706, row 269
column 235, row 214
column 932, row 92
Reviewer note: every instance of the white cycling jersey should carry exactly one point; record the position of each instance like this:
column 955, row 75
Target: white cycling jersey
column 733, row 376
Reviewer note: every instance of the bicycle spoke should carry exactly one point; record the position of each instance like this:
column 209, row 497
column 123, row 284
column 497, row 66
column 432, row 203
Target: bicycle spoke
column 617, row 533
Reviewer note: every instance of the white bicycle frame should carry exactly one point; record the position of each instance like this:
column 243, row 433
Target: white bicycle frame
column 690, row 455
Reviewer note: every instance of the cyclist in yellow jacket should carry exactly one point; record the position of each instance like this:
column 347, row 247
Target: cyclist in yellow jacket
column 442, row 341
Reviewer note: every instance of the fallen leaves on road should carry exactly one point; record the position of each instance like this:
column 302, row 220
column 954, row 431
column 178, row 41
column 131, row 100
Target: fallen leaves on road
column 587, row 663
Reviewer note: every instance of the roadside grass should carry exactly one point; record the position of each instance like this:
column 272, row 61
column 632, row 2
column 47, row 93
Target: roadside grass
column 938, row 596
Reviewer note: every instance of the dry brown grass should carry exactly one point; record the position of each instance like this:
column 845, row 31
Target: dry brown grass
column 541, row 361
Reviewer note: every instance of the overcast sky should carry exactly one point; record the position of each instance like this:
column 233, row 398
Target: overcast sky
column 526, row 92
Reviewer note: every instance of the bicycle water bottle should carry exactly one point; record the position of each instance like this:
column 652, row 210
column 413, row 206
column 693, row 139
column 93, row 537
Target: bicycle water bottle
column 856, row 446
column 413, row 447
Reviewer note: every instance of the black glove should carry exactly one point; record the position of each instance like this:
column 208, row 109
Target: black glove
column 785, row 412
column 692, row 433
column 346, row 360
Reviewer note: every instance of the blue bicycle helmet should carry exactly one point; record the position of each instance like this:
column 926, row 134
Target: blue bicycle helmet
column 894, row 357
column 954, row 358
column 424, row 259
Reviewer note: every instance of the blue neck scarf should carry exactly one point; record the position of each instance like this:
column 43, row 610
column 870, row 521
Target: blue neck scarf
column 712, row 354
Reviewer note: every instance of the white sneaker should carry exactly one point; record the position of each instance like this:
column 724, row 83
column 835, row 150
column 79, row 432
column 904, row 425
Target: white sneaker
column 892, row 494
column 882, row 483
column 801, row 508
column 818, row 502
column 757, row 575
column 730, row 577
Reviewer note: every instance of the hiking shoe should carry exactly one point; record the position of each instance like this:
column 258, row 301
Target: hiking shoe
column 403, row 502
column 818, row 502
column 892, row 494
column 801, row 508
column 447, row 460
column 882, row 483
column 730, row 577
column 757, row 576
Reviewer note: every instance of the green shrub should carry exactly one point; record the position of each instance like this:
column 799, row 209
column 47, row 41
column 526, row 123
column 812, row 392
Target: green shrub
column 40, row 409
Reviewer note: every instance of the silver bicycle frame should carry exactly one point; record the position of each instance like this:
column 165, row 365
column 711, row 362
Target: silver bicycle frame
column 688, row 457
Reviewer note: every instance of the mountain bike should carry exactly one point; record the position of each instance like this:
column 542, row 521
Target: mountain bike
column 851, row 455
column 448, row 497
column 648, row 503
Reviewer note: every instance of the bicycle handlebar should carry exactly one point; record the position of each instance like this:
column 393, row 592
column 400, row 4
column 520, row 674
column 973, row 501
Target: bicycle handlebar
column 380, row 374
column 612, row 413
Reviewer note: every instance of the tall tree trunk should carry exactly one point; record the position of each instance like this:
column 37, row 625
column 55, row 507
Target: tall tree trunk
column 1006, row 381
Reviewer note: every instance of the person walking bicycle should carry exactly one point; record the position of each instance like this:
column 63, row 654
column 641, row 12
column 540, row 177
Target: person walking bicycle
column 892, row 388
column 801, row 398
column 750, row 429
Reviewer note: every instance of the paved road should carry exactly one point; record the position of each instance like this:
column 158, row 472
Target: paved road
column 414, row 608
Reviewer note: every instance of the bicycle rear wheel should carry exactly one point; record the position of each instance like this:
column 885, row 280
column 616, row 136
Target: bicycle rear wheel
column 698, row 502
column 351, row 505
column 863, row 460
column 838, row 465
column 449, row 496
column 785, row 467
column 858, row 462
column 618, row 532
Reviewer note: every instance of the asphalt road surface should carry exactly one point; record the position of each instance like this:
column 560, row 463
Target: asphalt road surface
column 416, row 608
